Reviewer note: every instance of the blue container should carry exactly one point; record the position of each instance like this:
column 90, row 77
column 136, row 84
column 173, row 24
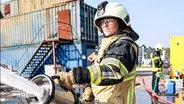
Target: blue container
column 171, row 87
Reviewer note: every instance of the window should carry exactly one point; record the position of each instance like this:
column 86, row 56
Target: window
column 7, row 9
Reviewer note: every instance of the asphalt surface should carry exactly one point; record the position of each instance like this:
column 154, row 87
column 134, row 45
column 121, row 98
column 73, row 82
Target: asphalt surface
column 142, row 97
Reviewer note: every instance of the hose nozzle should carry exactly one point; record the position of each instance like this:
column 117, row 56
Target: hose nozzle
column 44, row 97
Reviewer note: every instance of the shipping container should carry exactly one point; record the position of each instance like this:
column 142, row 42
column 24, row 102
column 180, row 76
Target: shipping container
column 88, row 30
column 26, row 6
column 34, row 27
column 18, row 7
column 12, row 56
column 23, row 34
column 67, row 55
column 87, row 49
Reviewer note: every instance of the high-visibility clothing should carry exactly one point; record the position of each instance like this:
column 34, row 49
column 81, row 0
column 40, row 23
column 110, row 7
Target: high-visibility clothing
column 112, row 81
column 156, row 68
column 156, row 62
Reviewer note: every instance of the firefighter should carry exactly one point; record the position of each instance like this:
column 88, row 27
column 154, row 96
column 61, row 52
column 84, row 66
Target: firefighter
column 156, row 64
column 112, row 73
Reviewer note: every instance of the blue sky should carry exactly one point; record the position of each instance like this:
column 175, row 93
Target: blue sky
column 154, row 20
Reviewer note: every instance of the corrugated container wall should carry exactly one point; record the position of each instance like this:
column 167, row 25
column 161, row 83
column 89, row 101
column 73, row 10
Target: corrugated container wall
column 26, row 6
column 17, row 7
column 69, row 55
column 89, row 33
column 26, row 31
column 34, row 27
column 12, row 56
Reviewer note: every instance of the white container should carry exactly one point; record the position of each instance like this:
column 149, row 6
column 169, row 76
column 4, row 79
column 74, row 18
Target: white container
column 49, row 69
column 179, row 84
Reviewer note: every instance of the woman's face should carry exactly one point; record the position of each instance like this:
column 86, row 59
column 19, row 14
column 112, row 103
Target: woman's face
column 109, row 26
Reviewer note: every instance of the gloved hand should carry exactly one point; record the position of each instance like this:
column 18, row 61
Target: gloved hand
column 64, row 79
column 88, row 95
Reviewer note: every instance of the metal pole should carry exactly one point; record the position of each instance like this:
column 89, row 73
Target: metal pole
column 54, row 57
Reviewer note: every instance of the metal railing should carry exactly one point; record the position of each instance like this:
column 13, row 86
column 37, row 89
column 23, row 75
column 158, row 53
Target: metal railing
column 44, row 33
column 47, row 31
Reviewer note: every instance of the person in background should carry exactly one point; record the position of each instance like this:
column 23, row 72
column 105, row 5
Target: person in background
column 156, row 64
column 111, row 77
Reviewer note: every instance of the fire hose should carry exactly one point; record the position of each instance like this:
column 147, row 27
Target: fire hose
column 54, row 93
column 151, row 93
column 58, row 94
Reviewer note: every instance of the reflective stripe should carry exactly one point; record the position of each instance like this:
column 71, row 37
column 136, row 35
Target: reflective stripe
column 153, row 65
column 130, row 76
column 151, row 55
column 156, row 58
column 130, row 94
column 116, row 63
column 95, row 74
column 107, row 74
column 91, row 74
column 156, row 69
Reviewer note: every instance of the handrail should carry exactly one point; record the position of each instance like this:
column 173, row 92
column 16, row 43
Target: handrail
column 45, row 30
column 31, row 43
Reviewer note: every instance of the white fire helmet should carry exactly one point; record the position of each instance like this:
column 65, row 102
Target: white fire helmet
column 116, row 10
column 158, row 47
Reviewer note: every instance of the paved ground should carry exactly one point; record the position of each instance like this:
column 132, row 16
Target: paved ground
column 142, row 97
